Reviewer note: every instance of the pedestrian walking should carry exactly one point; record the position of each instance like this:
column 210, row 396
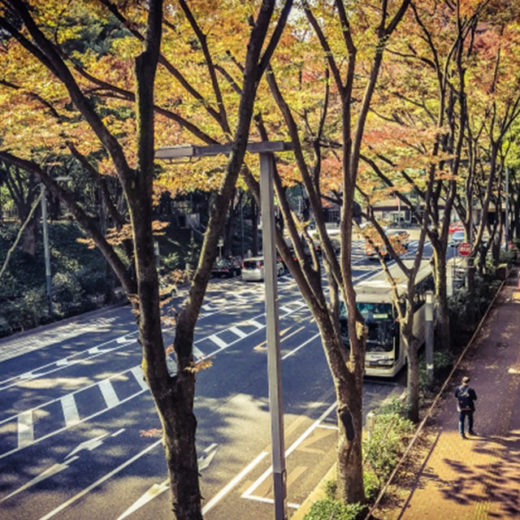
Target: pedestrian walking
column 466, row 398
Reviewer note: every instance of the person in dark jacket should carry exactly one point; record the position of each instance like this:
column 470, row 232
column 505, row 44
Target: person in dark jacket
column 466, row 398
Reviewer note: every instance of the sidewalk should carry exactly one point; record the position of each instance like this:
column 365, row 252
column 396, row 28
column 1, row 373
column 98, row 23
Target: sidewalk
column 476, row 478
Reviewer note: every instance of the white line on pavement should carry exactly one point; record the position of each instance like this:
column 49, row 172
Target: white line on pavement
column 219, row 342
column 232, row 483
column 137, row 371
column 109, row 475
column 238, row 332
column 25, row 428
column 300, row 346
column 109, row 394
column 70, row 410
column 248, row 493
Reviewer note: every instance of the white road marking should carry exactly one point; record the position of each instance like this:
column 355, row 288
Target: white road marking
column 55, row 366
column 220, row 343
column 137, row 371
column 197, row 353
column 108, row 476
column 292, row 505
column 300, row 346
column 249, row 492
column 89, row 445
column 328, row 426
column 158, row 489
column 25, row 429
column 49, row 472
column 153, row 492
column 70, row 410
column 232, row 483
column 109, row 393
column 25, row 418
column 238, row 332
column 255, row 324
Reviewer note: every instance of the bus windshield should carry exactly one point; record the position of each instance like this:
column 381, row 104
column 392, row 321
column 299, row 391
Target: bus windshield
column 380, row 322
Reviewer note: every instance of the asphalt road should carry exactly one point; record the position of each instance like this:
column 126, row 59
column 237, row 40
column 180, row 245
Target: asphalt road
column 79, row 433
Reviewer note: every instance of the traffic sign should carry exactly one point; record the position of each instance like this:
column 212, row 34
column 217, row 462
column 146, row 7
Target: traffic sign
column 465, row 249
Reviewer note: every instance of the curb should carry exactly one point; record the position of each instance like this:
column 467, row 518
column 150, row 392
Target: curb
column 317, row 494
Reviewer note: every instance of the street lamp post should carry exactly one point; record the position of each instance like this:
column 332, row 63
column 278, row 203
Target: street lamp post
column 506, row 227
column 428, row 316
column 266, row 150
column 46, row 251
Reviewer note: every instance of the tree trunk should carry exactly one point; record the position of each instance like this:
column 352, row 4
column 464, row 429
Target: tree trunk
column 412, row 382
column 442, row 317
column 29, row 238
column 350, row 427
column 254, row 228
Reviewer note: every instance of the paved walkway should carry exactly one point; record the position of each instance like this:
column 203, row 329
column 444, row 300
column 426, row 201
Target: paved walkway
column 477, row 478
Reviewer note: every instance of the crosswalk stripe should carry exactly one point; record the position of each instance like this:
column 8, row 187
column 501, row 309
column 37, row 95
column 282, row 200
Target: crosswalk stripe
column 139, row 377
column 238, row 332
column 109, row 393
column 70, row 410
column 25, row 429
column 218, row 341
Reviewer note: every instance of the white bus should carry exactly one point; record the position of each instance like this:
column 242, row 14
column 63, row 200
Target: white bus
column 374, row 298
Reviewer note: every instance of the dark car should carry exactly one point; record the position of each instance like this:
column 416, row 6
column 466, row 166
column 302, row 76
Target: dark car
column 228, row 267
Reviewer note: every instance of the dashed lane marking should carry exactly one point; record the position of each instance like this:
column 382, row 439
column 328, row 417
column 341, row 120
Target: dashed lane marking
column 139, row 377
column 70, row 410
column 109, row 394
column 25, row 428
column 238, row 332
column 219, row 342
column 24, row 422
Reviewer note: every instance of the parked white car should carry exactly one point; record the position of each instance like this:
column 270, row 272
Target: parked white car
column 253, row 269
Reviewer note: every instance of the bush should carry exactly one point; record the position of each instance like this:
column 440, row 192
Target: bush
column 329, row 509
column 26, row 311
column 442, row 362
column 387, row 439
column 68, row 295
column 372, row 485
column 465, row 311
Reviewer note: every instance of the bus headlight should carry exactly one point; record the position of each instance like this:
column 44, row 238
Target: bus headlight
column 381, row 361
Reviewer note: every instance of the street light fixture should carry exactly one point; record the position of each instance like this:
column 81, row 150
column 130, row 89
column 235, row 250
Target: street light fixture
column 266, row 150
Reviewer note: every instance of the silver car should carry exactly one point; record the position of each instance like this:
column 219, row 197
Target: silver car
column 253, row 269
